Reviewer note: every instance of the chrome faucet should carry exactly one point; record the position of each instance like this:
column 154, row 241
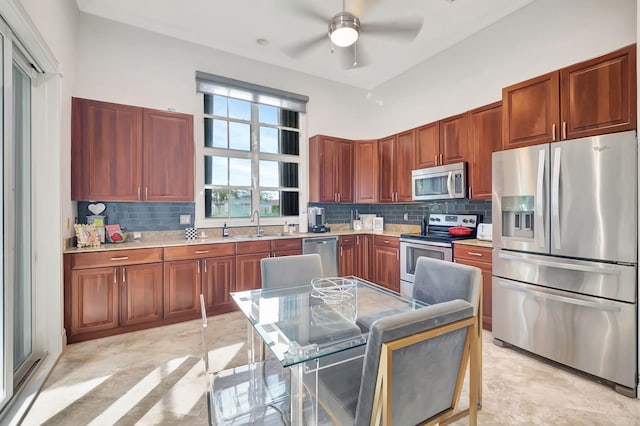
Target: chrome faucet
column 256, row 213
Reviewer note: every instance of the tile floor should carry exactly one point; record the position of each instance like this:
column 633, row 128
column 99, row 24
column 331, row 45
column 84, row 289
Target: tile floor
column 155, row 377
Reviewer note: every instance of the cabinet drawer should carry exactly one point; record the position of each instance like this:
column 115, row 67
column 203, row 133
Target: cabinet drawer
column 253, row 247
column 346, row 240
column 381, row 240
column 286, row 244
column 114, row 258
column 479, row 254
column 199, row 251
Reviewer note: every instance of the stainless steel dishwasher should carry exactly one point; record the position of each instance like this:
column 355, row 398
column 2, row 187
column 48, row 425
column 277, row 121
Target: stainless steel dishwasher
column 327, row 248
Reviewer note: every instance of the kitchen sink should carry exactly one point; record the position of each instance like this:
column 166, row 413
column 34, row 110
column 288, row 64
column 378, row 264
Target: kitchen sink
column 252, row 236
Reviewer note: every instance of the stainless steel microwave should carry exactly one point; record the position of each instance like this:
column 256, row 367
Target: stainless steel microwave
column 439, row 183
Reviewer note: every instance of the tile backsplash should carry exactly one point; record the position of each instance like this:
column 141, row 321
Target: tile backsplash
column 145, row 216
column 394, row 213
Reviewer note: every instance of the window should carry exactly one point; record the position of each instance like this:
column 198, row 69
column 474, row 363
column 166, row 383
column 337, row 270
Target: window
column 251, row 157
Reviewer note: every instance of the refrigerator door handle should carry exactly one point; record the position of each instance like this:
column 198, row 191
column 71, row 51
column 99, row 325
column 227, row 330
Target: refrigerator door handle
column 555, row 199
column 602, row 306
column 539, row 227
column 449, row 181
column 605, row 270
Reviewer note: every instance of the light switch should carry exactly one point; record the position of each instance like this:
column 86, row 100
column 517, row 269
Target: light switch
column 185, row 219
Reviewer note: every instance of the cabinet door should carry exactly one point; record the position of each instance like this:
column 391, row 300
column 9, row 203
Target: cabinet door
column 531, row 112
column 599, row 96
column 387, row 180
column 344, row 171
column 454, row 139
column 106, row 151
column 181, row 288
column 141, row 288
column 486, row 290
column 94, row 300
column 387, row 267
column 347, row 256
column 248, row 273
column 485, row 137
column 218, row 281
column 405, row 163
column 366, row 171
column 364, row 256
column 326, row 175
column 168, row 156
column 428, row 145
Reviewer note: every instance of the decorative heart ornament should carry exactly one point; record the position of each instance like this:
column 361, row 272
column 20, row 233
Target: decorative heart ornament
column 97, row 208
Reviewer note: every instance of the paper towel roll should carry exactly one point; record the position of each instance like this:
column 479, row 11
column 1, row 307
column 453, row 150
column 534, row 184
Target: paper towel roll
column 304, row 223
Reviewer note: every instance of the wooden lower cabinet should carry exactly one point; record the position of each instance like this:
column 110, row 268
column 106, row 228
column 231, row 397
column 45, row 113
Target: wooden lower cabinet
column 386, row 258
column 364, row 260
column 94, row 300
column 181, row 288
column 217, row 283
column 248, row 272
column 480, row 257
column 347, row 255
column 141, row 299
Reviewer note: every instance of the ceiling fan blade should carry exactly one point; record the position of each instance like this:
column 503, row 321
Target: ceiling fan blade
column 353, row 57
column 361, row 7
column 405, row 30
column 299, row 49
column 300, row 9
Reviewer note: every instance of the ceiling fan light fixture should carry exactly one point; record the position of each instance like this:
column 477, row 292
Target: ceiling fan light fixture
column 344, row 29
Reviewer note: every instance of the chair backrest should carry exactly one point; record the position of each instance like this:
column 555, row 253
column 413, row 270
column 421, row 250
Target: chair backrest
column 421, row 355
column 288, row 271
column 438, row 281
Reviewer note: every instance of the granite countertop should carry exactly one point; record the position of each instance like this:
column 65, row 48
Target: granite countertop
column 162, row 239
column 475, row 242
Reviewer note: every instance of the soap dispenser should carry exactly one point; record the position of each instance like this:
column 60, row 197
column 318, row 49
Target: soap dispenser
column 225, row 230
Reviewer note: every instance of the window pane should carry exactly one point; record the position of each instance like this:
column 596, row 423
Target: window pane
column 270, row 203
column 289, row 119
column 239, row 136
column 240, row 203
column 269, row 140
column 216, row 202
column 220, row 106
column 289, row 175
column 239, row 172
column 269, row 174
column 290, row 203
column 208, row 104
column 240, row 110
column 216, row 170
column 219, row 134
column 268, row 114
column 290, row 142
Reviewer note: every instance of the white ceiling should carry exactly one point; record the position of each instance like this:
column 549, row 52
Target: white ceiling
column 235, row 26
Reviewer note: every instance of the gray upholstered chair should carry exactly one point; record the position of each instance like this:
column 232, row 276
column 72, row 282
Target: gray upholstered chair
column 412, row 371
column 438, row 281
column 288, row 271
column 255, row 393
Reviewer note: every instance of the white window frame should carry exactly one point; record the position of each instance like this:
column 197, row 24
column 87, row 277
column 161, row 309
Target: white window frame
column 201, row 151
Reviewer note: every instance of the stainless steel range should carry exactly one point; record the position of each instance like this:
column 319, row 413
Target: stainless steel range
column 434, row 241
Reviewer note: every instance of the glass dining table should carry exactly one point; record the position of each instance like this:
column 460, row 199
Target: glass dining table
column 306, row 326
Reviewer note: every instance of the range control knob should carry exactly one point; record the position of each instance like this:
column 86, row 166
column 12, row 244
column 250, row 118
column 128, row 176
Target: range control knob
column 465, row 221
column 433, row 219
column 472, row 220
column 437, row 219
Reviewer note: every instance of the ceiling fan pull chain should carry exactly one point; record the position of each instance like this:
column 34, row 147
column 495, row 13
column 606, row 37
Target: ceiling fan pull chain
column 355, row 54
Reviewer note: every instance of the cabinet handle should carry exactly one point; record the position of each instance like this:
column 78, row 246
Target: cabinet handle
column 358, row 239
column 441, row 159
column 205, row 265
column 564, row 130
column 339, row 197
column 202, row 251
column 340, row 251
column 146, row 193
column 124, row 276
column 115, row 275
column 469, row 192
column 553, row 131
column 398, row 255
column 386, row 241
column 473, row 253
column 198, row 267
column 120, row 258
column 138, row 193
column 435, row 159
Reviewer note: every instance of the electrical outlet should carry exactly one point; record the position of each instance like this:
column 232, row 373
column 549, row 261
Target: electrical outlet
column 406, row 216
column 185, row 219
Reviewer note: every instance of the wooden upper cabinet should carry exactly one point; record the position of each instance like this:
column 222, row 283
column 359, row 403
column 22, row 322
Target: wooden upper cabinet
column 599, row 96
column 405, row 163
column 387, row 178
column 127, row 153
column 427, row 145
column 365, row 162
column 106, row 151
column 330, row 170
column 454, row 142
column 485, row 137
column 168, row 156
column 530, row 112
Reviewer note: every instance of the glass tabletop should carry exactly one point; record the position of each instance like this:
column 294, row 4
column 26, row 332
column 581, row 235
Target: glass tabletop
column 313, row 320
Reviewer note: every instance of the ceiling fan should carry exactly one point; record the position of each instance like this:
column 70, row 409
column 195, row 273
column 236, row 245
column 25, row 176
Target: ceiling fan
column 345, row 30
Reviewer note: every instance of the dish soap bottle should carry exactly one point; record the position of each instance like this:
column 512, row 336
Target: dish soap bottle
column 225, row 230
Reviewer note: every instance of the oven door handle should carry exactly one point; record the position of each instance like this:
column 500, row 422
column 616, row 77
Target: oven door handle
column 602, row 306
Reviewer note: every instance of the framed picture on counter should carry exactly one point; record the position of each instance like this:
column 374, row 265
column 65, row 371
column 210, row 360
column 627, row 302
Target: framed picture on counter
column 87, row 235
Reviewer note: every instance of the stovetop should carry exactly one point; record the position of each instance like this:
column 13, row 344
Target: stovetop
column 438, row 229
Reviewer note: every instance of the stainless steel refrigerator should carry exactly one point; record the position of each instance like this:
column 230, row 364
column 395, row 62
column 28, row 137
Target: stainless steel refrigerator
column 565, row 254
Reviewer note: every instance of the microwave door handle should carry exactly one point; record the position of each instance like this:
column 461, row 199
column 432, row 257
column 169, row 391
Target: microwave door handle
column 555, row 199
column 539, row 226
column 449, row 184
